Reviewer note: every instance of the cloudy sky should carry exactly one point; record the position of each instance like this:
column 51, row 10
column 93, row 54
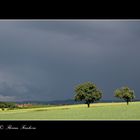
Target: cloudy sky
column 45, row 59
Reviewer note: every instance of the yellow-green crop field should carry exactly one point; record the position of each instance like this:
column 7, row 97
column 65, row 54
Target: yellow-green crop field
column 97, row 111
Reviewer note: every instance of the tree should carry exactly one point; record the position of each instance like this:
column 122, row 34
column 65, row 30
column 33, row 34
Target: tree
column 8, row 105
column 125, row 93
column 87, row 92
column 2, row 106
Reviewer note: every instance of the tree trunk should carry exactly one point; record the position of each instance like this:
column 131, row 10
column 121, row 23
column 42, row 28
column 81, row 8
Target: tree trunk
column 127, row 102
column 88, row 105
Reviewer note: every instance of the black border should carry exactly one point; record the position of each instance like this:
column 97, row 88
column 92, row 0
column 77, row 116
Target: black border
column 69, row 128
column 75, row 11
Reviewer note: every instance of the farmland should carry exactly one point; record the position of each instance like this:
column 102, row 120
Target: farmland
column 97, row 111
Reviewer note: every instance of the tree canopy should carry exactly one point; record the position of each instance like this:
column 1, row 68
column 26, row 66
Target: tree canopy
column 8, row 105
column 87, row 92
column 125, row 93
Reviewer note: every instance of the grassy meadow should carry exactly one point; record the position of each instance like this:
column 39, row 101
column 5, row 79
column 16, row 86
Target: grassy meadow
column 97, row 111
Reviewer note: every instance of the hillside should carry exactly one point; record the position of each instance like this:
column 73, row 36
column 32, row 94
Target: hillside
column 98, row 111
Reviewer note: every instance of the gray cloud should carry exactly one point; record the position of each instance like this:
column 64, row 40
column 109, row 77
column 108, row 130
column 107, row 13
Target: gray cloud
column 44, row 60
column 7, row 98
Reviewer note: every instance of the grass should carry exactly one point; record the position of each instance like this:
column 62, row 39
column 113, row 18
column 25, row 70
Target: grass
column 98, row 111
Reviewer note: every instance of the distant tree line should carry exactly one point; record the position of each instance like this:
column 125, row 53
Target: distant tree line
column 8, row 105
column 89, row 93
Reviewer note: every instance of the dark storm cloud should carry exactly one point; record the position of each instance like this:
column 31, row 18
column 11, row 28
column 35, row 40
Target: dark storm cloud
column 44, row 60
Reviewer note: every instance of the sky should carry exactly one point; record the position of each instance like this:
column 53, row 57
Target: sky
column 45, row 59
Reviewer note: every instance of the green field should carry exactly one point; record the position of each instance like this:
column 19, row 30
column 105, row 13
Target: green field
column 97, row 111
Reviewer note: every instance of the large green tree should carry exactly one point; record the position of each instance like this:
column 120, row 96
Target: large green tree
column 87, row 92
column 125, row 93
